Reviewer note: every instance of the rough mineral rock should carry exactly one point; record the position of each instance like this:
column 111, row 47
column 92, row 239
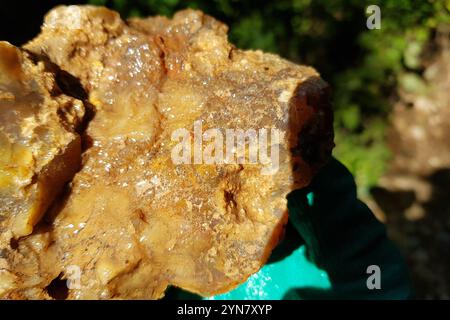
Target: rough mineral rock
column 146, row 211
column 39, row 148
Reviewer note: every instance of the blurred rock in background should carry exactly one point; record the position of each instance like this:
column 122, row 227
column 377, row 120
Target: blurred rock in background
column 414, row 195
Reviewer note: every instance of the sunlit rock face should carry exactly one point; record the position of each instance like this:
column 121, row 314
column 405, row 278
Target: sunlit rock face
column 161, row 198
column 40, row 149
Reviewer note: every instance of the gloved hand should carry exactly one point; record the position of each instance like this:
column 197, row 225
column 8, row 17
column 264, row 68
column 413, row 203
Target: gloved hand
column 331, row 239
column 344, row 238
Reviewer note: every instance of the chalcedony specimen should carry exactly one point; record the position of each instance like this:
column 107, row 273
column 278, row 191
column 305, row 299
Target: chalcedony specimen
column 134, row 220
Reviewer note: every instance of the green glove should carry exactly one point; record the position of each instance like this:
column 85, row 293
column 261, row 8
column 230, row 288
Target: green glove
column 344, row 238
column 331, row 239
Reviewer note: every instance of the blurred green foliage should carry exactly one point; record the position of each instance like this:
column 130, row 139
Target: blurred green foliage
column 364, row 67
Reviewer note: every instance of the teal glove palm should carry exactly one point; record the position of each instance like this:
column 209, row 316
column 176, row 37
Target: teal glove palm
column 331, row 240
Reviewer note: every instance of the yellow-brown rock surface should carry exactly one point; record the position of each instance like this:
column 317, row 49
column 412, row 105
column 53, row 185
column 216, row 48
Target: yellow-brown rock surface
column 40, row 150
column 135, row 220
